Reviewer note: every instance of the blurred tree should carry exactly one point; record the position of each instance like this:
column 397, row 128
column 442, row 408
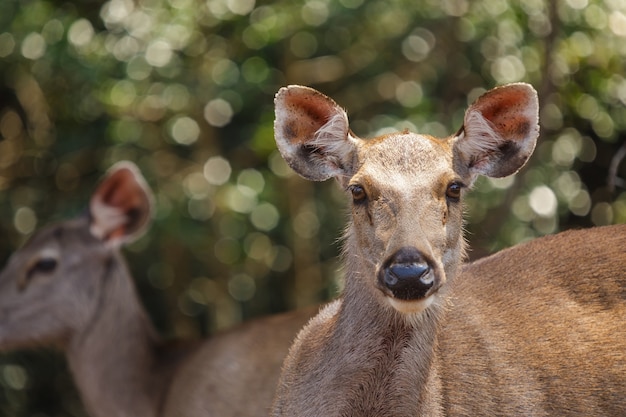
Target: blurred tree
column 184, row 88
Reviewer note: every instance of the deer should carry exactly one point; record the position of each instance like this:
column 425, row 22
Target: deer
column 69, row 288
column 538, row 329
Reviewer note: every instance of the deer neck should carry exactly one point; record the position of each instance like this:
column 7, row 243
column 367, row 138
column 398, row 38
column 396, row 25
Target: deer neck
column 113, row 359
column 394, row 353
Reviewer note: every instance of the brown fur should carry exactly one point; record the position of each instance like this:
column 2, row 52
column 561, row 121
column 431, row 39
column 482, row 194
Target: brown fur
column 535, row 330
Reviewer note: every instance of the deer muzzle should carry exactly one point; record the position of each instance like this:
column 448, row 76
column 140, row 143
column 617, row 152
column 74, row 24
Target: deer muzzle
column 407, row 275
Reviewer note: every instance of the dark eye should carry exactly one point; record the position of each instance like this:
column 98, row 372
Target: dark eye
column 45, row 265
column 42, row 266
column 453, row 192
column 358, row 193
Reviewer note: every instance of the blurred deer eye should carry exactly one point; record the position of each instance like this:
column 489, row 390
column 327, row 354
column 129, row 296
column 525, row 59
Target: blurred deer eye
column 42, row 266
column 358, row 193
column 45, row 265
column 453, row 192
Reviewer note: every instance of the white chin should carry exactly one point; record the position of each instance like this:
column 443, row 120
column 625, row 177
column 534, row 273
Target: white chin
column 411, row 307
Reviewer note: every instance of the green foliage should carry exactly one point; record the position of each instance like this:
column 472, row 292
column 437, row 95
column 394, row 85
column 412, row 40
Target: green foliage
column 185, row 88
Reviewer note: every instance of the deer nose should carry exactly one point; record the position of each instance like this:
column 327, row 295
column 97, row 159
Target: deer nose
column 407, row 275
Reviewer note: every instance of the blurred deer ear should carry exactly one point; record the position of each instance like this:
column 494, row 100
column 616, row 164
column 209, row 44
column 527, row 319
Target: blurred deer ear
column 312, row 133
column 121, row 206
column 499, row 131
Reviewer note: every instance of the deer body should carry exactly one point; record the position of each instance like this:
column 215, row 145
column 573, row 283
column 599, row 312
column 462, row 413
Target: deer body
column 501, row 347
column 69, row 287
column 534, row 330
column 548, row 317
column 235, row 373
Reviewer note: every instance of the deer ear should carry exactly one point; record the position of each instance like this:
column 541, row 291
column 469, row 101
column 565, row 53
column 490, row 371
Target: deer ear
column 500, row 131
column 312, row 133
column 120, row 208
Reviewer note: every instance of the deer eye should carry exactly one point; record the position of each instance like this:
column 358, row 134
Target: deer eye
column 44, row 265
column 358, row 194
column 453, row 192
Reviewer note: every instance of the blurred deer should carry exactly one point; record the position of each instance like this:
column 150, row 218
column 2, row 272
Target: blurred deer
column 69, row 287
column 536, row 330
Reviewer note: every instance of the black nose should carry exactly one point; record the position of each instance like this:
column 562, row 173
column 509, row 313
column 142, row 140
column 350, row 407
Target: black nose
column 407, row 274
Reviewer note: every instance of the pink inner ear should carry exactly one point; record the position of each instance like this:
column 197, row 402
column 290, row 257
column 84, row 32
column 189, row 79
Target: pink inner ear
column 311, row 133
column 123, row 192
column 306, row 111
column 120, row 205
column 510, row 110
column 501, row 130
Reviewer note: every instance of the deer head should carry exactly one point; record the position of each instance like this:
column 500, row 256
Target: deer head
column 406, row 189
column 49, row 288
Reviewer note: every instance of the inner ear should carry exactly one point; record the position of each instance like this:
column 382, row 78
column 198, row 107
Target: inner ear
column 120, row 208
column 500, row 131
column 305, row 111
column 312, row 133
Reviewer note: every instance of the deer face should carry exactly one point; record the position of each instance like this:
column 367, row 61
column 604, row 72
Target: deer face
column 405, row 238
column 406, row 216
column 51, row 287
column 48, row 288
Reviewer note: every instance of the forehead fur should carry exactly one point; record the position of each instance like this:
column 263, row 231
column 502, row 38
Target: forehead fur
column 56, row 232
column 401, row 154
